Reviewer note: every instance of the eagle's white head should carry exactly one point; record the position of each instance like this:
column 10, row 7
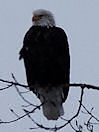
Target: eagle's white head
column 43, row 17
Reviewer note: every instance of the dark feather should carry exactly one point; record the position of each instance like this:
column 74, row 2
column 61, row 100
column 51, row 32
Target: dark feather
column 46, row 57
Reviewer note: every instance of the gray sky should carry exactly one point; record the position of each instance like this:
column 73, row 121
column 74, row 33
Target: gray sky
column 80, row 20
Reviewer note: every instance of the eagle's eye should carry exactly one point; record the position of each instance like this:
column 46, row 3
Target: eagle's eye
column 40, row 15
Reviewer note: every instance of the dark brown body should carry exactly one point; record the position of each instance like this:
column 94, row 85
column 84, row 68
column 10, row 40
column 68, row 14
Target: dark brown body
column 46, row 57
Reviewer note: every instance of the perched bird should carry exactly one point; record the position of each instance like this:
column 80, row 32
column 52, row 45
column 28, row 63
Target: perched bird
column 46, row 58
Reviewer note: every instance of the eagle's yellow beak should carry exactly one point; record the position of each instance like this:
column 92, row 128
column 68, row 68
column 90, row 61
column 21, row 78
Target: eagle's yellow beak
column 35, row 18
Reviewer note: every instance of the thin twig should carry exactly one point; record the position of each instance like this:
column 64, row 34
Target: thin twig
column 14, row 83
column 21, row 94
column 21, row 117
column 90, row 113
column 9, row 86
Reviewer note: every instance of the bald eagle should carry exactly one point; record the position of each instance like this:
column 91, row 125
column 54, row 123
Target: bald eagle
column 46, row 58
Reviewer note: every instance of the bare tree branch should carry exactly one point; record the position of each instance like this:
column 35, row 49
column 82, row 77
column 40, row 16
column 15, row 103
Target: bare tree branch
column 71, row 85
column 88, row 124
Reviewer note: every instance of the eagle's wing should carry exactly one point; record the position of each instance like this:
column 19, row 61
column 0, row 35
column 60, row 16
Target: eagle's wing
column 62, row 59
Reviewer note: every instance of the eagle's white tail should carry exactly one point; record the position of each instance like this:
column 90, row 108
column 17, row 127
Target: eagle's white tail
column 52, row 98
